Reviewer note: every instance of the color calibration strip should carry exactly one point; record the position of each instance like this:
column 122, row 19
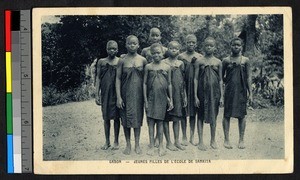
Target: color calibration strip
column 26, row 90
column 16, row 86
column 18, row 91
column 9, row 115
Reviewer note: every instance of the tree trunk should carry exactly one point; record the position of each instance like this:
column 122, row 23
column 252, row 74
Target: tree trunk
column 250, row 34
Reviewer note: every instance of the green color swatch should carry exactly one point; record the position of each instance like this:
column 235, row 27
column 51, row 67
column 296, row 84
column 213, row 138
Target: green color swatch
column 9, row 117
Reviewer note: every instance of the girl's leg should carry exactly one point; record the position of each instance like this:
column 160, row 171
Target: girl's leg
column 213, row 143
column 127, row 150
column 137, row 132
column 183, row 128
column 201, row 145
column 242, row 127
column 156, row 135
column 116, row 131
column 106, row 131
column 156, row 141
column 192, row 128
column 226, row 127
column 151, row 136
column 176, row 134
column 161, row 150
column 170, row 145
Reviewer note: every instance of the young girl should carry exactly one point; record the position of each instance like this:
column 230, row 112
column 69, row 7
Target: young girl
column 157, row 95
column 208, row 91
column 237, row 79
column 129, row 89
column 154, row 37
column 189, row 58
column 178, row 113
column 105, row 84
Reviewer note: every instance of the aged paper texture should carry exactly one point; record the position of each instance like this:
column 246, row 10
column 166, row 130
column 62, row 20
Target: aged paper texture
column 55, row 152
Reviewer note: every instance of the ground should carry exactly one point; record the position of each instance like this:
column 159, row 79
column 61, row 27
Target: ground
column 74, row 131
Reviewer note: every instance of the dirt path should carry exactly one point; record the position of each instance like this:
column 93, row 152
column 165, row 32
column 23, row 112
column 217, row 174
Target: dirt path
column 74, row 131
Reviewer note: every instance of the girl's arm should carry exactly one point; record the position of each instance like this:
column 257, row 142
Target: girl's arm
column 249, row 80
column 224, row 66
column 170, row 89
column 197, row 102
column 221, row 83
column 184, row 90
column 145, row 86
column 143, row 53
column 120, row 103
column 98, row 82
column 145, row 62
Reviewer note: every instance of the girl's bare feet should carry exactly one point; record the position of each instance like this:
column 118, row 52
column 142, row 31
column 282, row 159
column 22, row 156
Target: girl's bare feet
column 179, row 146
column 227, row 145
column 138, row 149
column 202, row 147
column 213, row 145
column 171, row 147
column 127, row 150
column 161, row 151
column 241, row 145
column 105, row 146
column 115, row 146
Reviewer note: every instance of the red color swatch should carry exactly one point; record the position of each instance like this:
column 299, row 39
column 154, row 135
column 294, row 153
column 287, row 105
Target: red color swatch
column 8, row 31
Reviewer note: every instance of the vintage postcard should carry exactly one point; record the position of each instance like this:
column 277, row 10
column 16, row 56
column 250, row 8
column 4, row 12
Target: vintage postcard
column 163, row 90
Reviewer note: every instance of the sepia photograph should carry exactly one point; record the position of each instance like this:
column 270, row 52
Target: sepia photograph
column 162, row 90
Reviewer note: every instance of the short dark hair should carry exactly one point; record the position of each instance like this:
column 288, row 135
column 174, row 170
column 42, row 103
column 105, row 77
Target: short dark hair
column 191, row 36
column 174, row 42
column 236, row 39
column 155, row 29
column 155, row 45
column 209, row 38
column 131, row 36
column 110, row 42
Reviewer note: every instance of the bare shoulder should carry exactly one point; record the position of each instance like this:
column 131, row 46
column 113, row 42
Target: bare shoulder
column 122, row 55
column 144, row 50
column 182, row 56
column 165, row 49
column 148, row 66
column 141, row 58
column 116, row 61
column 138, row 56
column 166, row 66
column 218, row 61
column 198, row 55
column 121, row 59
column 165, row 60
column 147, row 48
column 101, row 61
column 245, row 59
column 179, row 62
column 226, row 59
column 199, row 60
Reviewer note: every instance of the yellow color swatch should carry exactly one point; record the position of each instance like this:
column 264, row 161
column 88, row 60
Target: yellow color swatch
column 8, row 72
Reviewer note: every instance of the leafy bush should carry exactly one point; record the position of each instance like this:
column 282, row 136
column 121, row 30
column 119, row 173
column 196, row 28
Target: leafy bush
column 71, row 45
column 86, row 91
column 51, row 96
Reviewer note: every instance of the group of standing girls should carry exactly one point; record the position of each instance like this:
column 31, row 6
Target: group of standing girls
column 169, row 86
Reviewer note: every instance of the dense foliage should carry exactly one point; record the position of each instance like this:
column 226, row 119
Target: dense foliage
column 70, row 46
